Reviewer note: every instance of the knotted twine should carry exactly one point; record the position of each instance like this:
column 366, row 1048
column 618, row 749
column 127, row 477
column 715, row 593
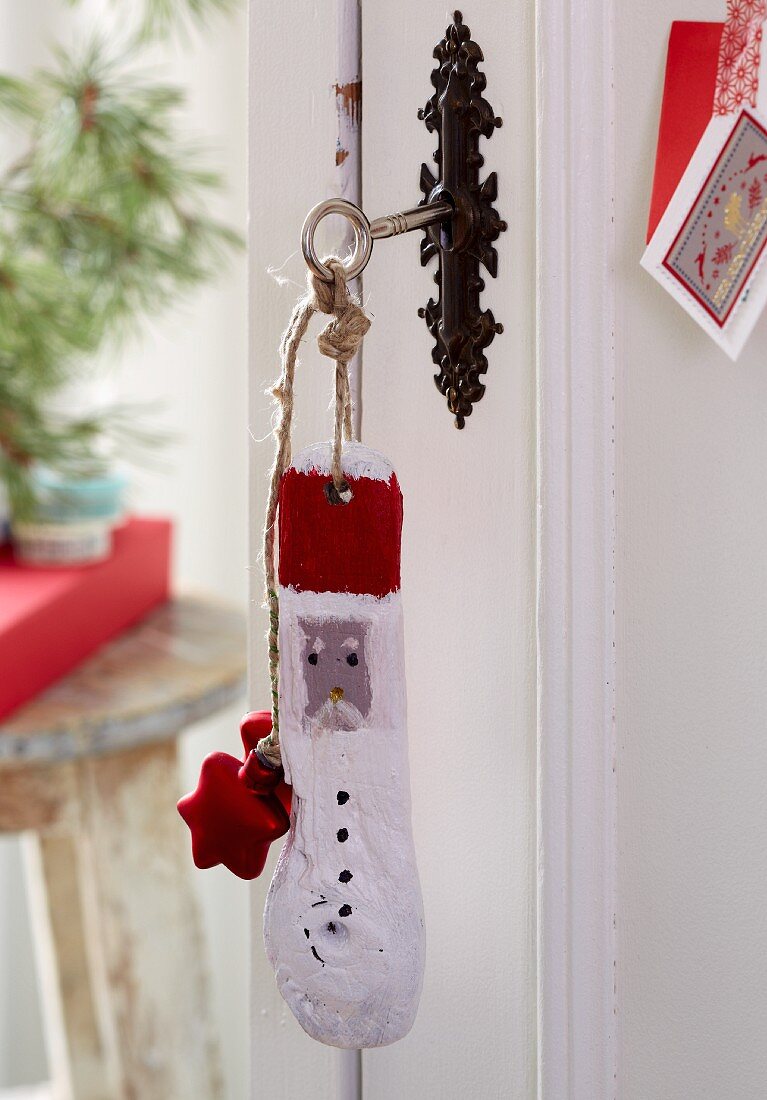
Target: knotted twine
column 339, row 340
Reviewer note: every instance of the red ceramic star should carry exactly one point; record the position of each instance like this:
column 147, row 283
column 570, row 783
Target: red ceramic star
column 256, row 725
column 237, row 809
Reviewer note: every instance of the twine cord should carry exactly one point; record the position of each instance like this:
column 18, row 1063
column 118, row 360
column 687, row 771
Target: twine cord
column 339, row 340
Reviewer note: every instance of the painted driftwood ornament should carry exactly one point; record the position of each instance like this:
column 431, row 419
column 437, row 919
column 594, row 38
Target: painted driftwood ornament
column 343, row 925
column 343, row 922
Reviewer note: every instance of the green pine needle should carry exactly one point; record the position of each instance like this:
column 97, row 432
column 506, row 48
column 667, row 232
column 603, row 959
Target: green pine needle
column 103, row 222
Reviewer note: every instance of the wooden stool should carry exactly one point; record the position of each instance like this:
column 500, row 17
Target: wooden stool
column 91, row 767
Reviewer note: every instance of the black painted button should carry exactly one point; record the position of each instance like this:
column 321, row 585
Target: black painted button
column 345, row 911
column 342, row 796
column 345, row 876
column 342, row 834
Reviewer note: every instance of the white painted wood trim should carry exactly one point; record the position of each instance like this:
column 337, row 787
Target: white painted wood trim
column 349, row 173
column 576, row 537
column 349, row 153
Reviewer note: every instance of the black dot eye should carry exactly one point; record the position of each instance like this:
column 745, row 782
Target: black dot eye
column 313, row 658
column 352, row 660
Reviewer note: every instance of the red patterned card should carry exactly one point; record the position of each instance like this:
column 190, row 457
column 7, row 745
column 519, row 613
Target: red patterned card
column 708, row 244
column 724, row 234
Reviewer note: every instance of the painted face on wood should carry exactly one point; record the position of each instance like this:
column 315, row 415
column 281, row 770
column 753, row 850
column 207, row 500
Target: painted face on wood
column 336, row 673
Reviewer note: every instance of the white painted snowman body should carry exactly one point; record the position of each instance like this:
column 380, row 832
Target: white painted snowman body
column 343, row 924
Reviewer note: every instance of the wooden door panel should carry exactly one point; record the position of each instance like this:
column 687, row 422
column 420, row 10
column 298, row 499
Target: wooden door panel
column 468, row 571
column 469, row 537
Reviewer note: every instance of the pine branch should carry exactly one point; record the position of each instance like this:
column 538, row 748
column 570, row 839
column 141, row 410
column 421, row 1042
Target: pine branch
column 18, row 99
column 103, row 222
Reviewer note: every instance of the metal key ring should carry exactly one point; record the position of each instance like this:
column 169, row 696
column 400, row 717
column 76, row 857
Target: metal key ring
column 363, row 241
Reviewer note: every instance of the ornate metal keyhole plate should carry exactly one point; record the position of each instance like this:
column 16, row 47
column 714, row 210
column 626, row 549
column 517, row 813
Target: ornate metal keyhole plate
column 459, row 114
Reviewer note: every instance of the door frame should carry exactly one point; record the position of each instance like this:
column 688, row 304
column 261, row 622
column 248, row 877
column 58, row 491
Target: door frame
column 576, row 551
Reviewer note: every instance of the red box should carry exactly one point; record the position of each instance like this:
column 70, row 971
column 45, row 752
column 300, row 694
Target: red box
column 51, row 619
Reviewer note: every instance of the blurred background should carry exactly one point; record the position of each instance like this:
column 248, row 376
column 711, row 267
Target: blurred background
column 187, row 366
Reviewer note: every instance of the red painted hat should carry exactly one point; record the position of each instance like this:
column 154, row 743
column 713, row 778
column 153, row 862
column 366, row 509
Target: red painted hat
column 352, row 547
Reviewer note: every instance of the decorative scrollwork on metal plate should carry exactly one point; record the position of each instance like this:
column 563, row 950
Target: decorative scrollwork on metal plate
column 459, row 114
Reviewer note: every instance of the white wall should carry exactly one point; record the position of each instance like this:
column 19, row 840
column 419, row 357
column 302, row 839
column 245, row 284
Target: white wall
column 194, row 364
column 692, row 622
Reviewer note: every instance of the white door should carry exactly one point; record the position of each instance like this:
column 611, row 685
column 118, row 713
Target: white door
column 469, row 536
